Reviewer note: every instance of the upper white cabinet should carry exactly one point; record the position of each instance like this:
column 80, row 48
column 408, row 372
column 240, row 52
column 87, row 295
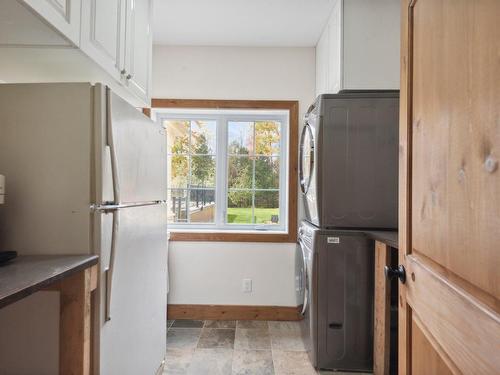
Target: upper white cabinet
column 328, row 54
column 138, row 39
column 117, row 35
column 107, row 41
column 359, row 47
column 64, row 15
column 103, row 34
column 322, row 63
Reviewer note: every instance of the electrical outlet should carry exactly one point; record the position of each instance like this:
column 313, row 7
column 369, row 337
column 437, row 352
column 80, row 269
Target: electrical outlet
column 247, row 286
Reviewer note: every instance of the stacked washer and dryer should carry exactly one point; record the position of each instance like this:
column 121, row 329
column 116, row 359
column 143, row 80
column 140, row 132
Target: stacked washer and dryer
column 349, row 181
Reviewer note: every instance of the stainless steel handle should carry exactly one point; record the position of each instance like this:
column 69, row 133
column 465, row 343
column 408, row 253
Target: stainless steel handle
column 112, row 148
column 306, row 280
column 111, row 266
column 111, row 206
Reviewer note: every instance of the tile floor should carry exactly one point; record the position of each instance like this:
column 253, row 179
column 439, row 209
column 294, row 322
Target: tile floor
column 196, row 347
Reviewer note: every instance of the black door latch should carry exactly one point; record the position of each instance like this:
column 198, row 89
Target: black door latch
column 398, row 272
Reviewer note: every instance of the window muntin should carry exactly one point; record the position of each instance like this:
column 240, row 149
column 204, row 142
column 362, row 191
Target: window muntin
column 248, row 189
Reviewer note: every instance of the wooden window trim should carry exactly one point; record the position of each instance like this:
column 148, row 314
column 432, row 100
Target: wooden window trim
column 292, row 106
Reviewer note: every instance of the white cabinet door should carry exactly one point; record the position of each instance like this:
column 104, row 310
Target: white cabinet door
column 371, row 31
column 103, row 34
column 329, row 54
column 334, row 83
column 138, row 39
column 64, row 15
column 322, row 63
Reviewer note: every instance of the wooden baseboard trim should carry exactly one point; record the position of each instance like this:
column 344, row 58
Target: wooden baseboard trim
column 230, row 312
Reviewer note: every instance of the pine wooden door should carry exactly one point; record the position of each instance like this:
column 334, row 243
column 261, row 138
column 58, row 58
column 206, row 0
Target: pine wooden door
column 449, row 320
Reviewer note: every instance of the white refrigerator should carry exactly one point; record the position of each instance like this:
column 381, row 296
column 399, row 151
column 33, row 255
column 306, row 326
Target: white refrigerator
column 87, row 175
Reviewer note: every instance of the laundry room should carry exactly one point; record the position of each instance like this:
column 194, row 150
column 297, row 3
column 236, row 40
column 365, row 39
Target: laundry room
column 266, row 187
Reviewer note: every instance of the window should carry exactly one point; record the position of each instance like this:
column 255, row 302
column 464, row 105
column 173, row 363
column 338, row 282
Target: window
column 226, row 169
column 232, row 175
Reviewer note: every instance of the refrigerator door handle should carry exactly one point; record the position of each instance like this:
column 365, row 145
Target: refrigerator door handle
column 110, row 206
column 111, row 144
column 109, row 270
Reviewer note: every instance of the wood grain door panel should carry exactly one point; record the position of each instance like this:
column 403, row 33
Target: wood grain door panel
column 464, row 329
column 425, row 359
column 456, row 137
column 450, row 187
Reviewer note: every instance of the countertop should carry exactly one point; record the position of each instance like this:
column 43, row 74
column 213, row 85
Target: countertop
column 28, row 274
column 389, row 237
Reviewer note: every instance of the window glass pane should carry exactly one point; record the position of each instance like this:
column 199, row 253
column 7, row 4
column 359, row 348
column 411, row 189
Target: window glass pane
column 202, row 171
column 177, row 202
column 240, row 137
column 240, row 172
column 178, row 171
column 203, row 137
column 177, row 136
column 202, row 206
column 267, row 137
column 266, row 207
column 239, row 207
column 267, row 172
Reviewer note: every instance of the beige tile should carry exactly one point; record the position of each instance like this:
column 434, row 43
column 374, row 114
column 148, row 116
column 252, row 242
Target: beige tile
column 177, row 361
column 286, row 336
column 292, row 363
column 248, row 324
column 186, row 323
column 253, row 362
column 183, row 338
column 252, row 339
column 284, row 326
column 217, row 338
column 220, row 324
column 211, row 362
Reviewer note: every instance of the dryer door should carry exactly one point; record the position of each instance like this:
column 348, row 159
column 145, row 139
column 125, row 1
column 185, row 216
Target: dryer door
column 306, row 158
column 307, row 173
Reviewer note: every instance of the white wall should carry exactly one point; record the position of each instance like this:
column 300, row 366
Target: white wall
column 234, row 73
column 212, row 272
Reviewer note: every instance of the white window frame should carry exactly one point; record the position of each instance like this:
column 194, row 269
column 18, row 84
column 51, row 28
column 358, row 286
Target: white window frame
column 222, row 117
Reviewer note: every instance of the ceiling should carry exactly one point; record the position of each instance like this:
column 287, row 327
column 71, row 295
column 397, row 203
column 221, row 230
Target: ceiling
column 260, row 23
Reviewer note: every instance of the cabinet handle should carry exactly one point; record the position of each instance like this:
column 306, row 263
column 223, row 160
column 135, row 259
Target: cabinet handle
column 123, row 72
column 129, row 76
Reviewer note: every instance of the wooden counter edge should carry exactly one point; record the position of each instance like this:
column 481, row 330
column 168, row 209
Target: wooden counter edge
column 382, row 318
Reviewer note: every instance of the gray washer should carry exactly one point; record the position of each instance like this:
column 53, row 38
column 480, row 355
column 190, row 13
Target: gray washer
column 338, row 298
column 349, row 160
